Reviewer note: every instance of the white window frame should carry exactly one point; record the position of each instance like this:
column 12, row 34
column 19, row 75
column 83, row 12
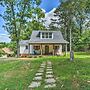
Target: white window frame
column 41, row 35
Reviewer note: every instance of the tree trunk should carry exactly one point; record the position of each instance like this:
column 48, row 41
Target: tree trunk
column 70, row 41
column 15, row 30
column 18, row 48
column 19, row 31
column 81, row 21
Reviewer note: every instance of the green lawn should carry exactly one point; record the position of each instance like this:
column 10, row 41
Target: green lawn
column 17, row 74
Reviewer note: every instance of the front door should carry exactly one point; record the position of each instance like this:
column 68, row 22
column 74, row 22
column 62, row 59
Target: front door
column 46, row 50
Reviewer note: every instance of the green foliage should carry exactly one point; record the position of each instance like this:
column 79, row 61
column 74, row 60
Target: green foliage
column 82, row 42
column 72, row 19
column 18, row 74
column 38, row 2
column 18, row 14
column 12, row 46
column 3, row 44
column 1, row 52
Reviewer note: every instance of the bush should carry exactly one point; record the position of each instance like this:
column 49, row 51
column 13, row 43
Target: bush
column 1, row 53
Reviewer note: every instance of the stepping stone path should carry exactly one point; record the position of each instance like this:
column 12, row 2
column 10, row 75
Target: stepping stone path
column 39, row 74
column 50, row 86
column 50, row 82
column 34, row 84
column 38, row 78
column 49, row 76
column 45, row 73
column 49, row 72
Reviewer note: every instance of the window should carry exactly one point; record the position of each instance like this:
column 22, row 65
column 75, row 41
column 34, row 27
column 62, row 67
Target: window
column 56, row 47
column 46, row 35
column 36, row 47
column 26, row 47
column 50, row 35
column 43, row 36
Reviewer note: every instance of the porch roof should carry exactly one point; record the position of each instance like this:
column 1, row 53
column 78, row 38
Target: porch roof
column 49, row 41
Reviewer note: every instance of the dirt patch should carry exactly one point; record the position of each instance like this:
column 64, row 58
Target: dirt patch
column 26, row 58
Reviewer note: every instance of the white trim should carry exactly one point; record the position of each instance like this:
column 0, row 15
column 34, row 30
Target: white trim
column 48, row 35
column 52, row 35
column 40, row 35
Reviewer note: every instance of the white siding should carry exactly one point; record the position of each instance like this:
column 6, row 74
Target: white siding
column 23, row 49
column 60, row 49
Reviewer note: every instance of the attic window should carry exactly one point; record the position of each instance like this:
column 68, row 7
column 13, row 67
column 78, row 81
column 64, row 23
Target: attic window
column 38, row 34
column 50, row 35
column 46, row 35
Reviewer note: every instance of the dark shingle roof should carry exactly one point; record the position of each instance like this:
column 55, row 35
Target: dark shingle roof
column 57, row 37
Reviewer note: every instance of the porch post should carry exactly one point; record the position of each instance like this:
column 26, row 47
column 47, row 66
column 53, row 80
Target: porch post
column 53, row 50
column 29, row 49
column 66, row 49
column 41, row 48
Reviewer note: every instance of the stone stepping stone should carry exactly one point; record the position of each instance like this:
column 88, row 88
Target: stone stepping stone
column 40, row 71
column 49, row 72
column 39, row 74
column 38, row 78
column 50, row 80
column 49, row 76
column 42, row 66
column 50, row 86
column 49, row 69
column 49, row 63
column 49, row 66
column 34, row 84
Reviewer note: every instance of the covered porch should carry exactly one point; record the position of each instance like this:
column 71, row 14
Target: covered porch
column 47, row 49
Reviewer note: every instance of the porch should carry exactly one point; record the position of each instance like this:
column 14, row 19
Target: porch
column 47, row 49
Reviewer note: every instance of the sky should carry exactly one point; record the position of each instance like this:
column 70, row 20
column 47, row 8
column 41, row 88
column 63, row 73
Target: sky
column 47, row 5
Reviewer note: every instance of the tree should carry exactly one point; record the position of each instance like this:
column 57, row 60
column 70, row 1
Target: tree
column 65, row 14
column 83, row 42
column 17, row 15
column 72, row 17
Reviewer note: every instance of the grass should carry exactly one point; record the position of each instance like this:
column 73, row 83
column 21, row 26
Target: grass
column 17, row 74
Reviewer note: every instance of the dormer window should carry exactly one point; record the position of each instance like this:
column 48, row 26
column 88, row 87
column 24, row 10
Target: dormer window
column 50, row 35
column 46, row 35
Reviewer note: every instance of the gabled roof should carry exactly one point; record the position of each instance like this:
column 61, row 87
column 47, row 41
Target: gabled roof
column 57, row 37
